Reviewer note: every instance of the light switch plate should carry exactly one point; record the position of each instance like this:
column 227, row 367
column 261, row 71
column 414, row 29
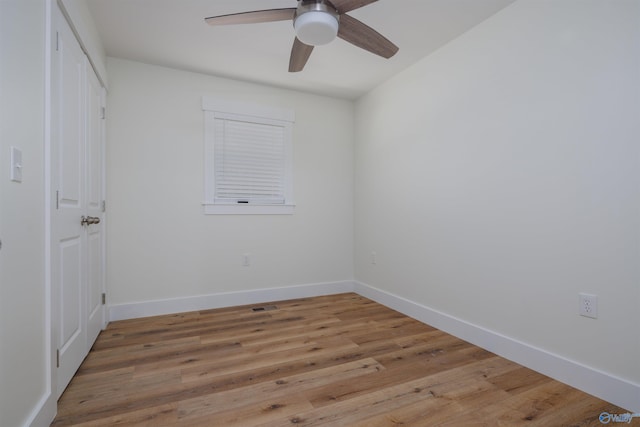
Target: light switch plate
column 16, row 164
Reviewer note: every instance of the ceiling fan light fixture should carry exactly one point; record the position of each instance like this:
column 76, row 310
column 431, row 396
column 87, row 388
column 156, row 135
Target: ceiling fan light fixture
column 316, row 27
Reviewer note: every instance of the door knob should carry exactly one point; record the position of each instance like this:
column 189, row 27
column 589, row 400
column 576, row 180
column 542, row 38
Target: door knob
column 88, row 220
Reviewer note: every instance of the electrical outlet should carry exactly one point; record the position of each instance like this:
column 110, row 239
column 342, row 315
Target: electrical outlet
column 588, row 305
column 374, row 258
column 246, row 260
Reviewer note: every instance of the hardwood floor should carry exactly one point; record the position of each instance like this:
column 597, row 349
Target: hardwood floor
column 340, row 360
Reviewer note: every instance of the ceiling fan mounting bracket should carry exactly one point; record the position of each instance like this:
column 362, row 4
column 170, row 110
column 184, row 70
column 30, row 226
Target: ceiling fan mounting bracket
column 305, row 6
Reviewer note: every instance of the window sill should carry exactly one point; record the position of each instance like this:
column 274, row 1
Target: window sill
column 244, row 209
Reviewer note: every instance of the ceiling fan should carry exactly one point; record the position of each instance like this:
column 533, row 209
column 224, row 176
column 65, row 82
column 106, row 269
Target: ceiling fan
column 317, row 22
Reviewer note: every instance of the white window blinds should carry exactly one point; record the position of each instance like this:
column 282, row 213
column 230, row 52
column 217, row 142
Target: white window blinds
column 249, row 161
column 248, row 158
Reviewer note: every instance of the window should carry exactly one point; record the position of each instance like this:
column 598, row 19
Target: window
column 248, row 158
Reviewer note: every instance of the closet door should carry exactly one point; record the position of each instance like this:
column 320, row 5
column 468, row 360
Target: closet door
column 76, row 188
column 68, row 188
column 94, row 207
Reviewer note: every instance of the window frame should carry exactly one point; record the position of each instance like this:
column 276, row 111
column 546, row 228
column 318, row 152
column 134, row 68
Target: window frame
column 213, row 109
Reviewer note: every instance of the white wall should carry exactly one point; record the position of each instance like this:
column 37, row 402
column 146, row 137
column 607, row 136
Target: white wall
column 161, row 245
column 24, row 352
column 499, row 177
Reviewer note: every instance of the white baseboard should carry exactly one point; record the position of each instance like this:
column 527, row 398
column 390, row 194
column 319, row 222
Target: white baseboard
column 227, row 299
column 600, row 384
column 44, row 412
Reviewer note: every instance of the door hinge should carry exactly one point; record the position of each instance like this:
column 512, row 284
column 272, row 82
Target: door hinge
column 57, row 358
column 104, row 298
column 103, row 113
column 57, row 199
column 104, row 206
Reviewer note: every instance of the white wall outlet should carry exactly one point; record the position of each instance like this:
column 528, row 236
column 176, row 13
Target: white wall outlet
column 374, row 257
column 588, row 305
column 246, row 260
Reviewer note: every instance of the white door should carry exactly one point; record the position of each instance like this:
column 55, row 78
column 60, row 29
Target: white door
column 94, row 207
column 76, row 180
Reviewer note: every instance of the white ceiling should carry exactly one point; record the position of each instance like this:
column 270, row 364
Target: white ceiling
column 173, row 33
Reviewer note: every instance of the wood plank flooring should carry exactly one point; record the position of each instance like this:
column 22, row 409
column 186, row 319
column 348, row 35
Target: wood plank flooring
column 339, row 360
